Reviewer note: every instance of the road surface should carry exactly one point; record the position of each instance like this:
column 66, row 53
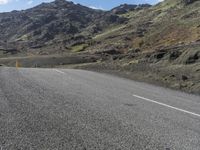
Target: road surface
column 51, row 109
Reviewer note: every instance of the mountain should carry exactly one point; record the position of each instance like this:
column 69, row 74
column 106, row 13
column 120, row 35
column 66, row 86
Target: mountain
column 160, row 43
column 56, row 25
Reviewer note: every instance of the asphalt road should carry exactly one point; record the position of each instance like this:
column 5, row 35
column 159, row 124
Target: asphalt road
column 50, row 109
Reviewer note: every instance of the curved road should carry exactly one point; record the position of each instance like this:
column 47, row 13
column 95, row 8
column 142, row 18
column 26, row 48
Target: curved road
column 50, row 109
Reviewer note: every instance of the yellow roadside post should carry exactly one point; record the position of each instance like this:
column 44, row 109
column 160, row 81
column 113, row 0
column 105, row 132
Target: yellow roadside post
column 17, row 64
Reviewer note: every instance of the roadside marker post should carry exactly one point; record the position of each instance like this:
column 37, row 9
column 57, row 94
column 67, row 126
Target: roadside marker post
column 17, row 64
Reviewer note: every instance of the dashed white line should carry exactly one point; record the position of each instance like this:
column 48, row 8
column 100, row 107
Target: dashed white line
column 172, row 107
column 59, row 71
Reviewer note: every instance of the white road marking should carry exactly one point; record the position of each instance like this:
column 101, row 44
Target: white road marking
column 172, row 107
column 59, row 71
column 69, row 78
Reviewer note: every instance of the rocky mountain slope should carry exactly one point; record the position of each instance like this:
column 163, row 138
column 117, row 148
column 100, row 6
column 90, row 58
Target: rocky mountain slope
column 57, row 26
column 158, row 43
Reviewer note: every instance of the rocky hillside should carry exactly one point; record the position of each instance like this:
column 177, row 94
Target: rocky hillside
column 57, row 26
column 161, row 43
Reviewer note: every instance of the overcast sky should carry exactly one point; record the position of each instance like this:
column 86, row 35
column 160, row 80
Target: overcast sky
column 9, row 5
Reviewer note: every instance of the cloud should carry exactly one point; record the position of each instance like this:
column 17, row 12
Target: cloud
column 3, row 2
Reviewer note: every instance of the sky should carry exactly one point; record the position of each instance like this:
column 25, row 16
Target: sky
column 9, row 5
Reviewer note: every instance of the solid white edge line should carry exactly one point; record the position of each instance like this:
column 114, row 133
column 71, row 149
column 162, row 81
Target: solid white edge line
column 59, row 71
column 162, row 104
